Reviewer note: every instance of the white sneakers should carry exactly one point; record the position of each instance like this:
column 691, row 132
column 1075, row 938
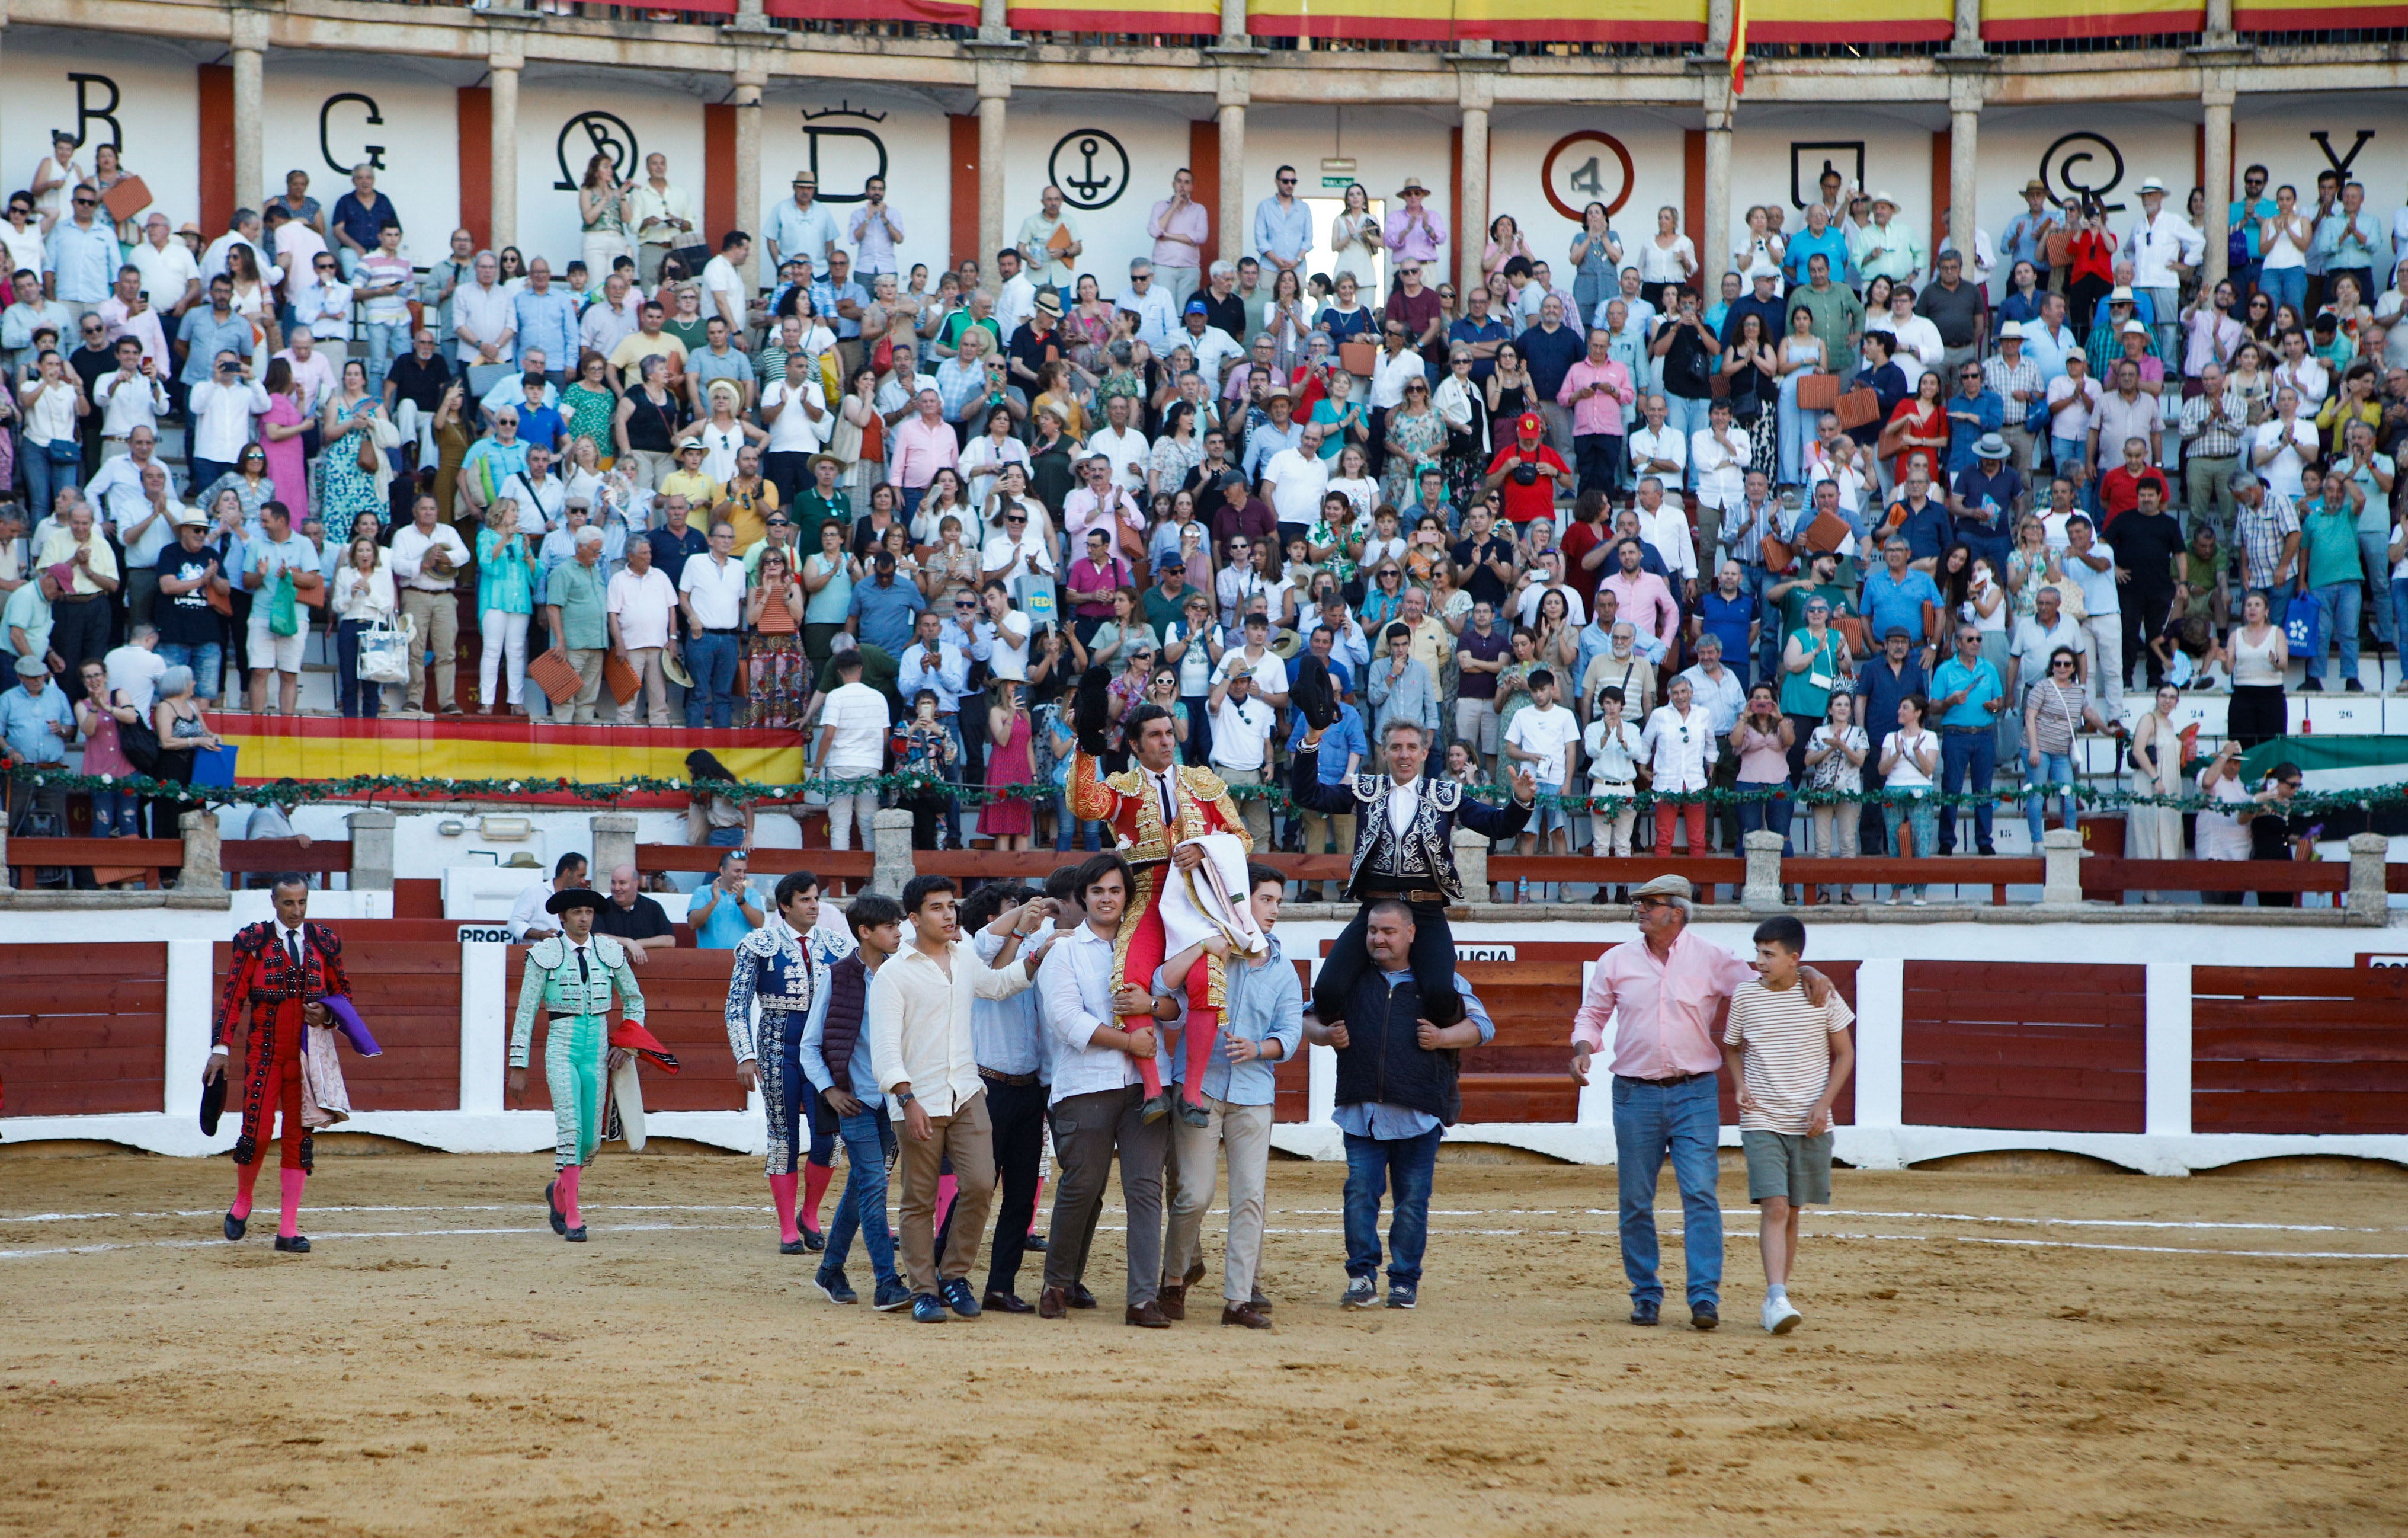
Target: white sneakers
column 1780, row 1317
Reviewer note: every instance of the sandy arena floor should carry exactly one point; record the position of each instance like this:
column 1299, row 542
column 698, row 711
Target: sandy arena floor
column 2043, row 1354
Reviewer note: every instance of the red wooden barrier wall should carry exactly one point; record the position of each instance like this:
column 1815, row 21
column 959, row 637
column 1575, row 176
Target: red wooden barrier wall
column 2299, row 1049
column 2037, row 1047
column 685, row 1000
column 77, row 1038
column 409, row 993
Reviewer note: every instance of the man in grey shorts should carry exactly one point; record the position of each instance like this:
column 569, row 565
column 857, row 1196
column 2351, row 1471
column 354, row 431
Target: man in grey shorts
column 1482, row 652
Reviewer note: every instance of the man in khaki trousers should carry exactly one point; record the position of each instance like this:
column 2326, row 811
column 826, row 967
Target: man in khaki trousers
column 1261, row 1027
column 427, row 559
column 921, row 1052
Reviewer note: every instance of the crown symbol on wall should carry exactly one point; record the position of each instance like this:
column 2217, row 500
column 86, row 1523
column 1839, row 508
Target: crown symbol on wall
column 844, row 109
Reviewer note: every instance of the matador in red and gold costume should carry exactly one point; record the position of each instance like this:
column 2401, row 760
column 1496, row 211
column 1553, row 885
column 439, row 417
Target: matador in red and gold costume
column 1152, row 807
column 284, row 969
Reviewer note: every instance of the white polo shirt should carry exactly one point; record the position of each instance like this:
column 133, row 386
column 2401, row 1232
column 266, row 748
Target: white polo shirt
column 643, row 605
column 859, row 714
column 1241, row 733
column 715, row 591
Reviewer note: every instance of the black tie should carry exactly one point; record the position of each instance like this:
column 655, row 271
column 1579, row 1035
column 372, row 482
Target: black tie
column 1169, row 812
column 584, row 976
column 292, row 949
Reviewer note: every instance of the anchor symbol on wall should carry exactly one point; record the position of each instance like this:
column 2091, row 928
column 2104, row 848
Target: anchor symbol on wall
column 1097, row 171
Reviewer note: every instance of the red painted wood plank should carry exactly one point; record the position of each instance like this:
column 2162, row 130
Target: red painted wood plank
column 145, row 961
column 2322, row 1041
column 2071, row 1083
column 2292, row 1113
column 2028, row 1052
column 18, row 1033
column 86, row 1097
column 2022, row 1113
column 2261, row 1078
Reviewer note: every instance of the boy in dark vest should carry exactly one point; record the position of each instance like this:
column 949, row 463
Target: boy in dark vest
column 835, row 1055
column 1397, row 1093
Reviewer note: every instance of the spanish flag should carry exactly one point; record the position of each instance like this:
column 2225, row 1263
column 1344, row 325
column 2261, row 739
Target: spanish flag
column 1739, row 47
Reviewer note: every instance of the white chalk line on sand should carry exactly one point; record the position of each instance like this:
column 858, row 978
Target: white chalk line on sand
column 1671, row 1234
column 1308, row 1211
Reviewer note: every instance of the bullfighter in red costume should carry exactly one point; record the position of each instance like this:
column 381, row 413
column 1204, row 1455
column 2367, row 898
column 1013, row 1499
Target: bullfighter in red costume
column 283, row 968
column 1154, row 807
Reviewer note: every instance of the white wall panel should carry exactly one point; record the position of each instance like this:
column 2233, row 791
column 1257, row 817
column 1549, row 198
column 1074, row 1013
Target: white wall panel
column 314, row 122
column 846, row 134
column 1113, row 150
column 152, row 91
column 558, row 116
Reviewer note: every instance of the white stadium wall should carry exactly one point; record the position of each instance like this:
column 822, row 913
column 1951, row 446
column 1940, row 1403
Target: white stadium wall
column 559, row 113
column 1111, row 156
column 317, row 121
column 1519, row 178
column 846, row 133
column 145, row 97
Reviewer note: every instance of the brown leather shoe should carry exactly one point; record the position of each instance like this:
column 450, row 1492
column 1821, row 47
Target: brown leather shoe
column 1246, row 1315
column 1005, row 1303
column 1148, row 1315
column 1173, row 1299
column 1053, row 1303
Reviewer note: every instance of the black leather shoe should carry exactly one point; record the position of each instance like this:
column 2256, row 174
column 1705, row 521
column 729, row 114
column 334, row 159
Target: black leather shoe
column 236, row 1225
column 1704, row 1316
column 814, row 1241
column 796, row 1247
column 296, row 1244
column 1007, row 1302
column 1642, row 1313
column 1080, row 1297
column 576, row 1235
column 559, row 1224
column 1034, row 1245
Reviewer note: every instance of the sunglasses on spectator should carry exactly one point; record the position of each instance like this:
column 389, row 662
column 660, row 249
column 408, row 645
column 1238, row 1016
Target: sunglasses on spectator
column 964, row 605
column 2061, row 662
column 1015, row 518
column 85, row 202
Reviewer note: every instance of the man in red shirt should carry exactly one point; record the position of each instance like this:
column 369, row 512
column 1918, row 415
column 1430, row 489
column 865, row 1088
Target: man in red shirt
column 1529, row 472
column 2119, row 489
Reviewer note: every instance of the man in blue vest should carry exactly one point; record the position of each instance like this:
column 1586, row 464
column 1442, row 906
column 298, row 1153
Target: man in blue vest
column 1397, row 1093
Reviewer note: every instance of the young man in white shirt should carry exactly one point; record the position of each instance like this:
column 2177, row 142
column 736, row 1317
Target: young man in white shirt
column 1295, row 479
column 722, row 285
column 1547, row 737
column 853, row 722
column 1241, row 735
column 710, row 592
column 1099, row 1102
column 640, row 601
column 1122, row 445
column 921, row 1052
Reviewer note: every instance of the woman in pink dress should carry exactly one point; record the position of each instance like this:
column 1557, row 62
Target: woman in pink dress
column 1007, row 820
column 280, row 433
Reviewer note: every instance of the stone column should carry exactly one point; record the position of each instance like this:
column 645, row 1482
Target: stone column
column 201, row 871
column 992, row 29
column 747, row 102
column 1968, row 27
column 1472, row 239
column 1236, row 232
column 2218, row 27
column 2061, row 868
column 1762, row 893
column 614, row 843
column 2367, row 901
column 249, row 59
column 503, row 64
column 892, row 865
column 1233, row 30
column 371, row 849
column 995, row 92
column 2216, row 104
column 1713, row 241
column 1964, row 138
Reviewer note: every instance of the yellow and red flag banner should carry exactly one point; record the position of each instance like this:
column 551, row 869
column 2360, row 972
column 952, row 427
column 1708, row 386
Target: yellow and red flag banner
column 1190, row 17
column 310, row 748
column 2313, row 15
column 1858, row 21
column 947, row 13
column 1738, row 54
column 1578, row 20
column 2041, row 21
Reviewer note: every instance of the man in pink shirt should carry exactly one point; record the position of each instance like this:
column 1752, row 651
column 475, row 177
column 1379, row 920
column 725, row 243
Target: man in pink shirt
column 924, row 443
column 1414, row 233
column 1179, row 227
column 1666, row 993
column 1643, row 598
column 1596, row 389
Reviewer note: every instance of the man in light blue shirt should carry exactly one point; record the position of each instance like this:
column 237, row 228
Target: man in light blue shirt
column 832, row 293
column 802, row 226
column 1393, row 1146
column 34, row 717
column 1014, row 1056
column 84, row 255
column 1896, row 594
column 1262, row 1026
column 882, row 610
column 547, row 320
column 2049, row 338
column 1967, row 697
column 1283, row 225
column 208, row 330
column 724, row 911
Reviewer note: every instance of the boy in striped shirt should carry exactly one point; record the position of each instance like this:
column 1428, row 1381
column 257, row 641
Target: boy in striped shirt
column 1788, row 1058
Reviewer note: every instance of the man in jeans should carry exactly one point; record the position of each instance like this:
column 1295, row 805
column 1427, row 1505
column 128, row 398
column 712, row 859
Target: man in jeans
column 853, row 720
column 1396, row 1092
column 1668, row 986
column 427, row 556
column 836, row 1058
column 711, row 595
column 1262, row 1027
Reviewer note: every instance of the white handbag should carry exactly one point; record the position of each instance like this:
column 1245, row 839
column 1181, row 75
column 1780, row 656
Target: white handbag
column 385, row 651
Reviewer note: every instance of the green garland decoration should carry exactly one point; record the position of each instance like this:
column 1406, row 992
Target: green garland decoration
column 368, row 787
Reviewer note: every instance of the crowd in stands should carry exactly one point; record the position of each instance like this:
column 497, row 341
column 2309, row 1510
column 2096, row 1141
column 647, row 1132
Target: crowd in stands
column 1866, row 520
